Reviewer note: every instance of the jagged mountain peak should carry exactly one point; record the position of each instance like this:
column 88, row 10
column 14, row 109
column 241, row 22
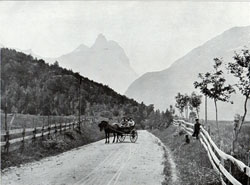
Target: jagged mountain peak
column 101, row 37
column 100, row 41
column 81, row 48
column 105, row 62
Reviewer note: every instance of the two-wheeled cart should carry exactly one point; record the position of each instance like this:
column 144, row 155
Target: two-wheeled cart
column 128, row 131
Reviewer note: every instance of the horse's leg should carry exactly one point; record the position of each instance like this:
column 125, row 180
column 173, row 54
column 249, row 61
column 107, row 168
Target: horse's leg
column 106, row 137
column 114, row 137
column 117, row 137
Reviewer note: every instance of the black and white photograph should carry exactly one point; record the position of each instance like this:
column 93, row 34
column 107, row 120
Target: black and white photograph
column 129, row 92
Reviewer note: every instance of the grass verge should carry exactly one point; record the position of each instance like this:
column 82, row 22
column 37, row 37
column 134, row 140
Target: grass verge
column 191, row 159
column 57, row 143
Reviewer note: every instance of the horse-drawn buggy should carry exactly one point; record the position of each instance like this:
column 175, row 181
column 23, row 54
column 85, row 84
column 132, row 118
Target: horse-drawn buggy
column 128, row 131
column 119, row 130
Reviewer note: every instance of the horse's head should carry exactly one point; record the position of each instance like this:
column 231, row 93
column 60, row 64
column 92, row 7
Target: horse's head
column 102, row 125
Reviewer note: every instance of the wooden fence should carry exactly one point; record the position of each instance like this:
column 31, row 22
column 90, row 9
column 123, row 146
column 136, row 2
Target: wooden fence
column 16, row 136
column 215, row 155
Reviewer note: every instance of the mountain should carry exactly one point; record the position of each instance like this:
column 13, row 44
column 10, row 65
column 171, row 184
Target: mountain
column 30, row 52
column 104, row 62
column 32, row 86
column 160, row 88
column 27, row 52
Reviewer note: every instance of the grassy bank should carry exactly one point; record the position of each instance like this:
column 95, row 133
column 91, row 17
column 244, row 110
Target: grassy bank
column 191, row 159
column 227, row 136
column 54, row 145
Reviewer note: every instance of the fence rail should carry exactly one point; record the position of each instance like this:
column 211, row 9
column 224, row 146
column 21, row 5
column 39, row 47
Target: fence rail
column 20, row 135
column 215, row 155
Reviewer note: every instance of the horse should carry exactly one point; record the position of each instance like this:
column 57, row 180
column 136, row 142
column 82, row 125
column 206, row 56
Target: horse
column 104, row 125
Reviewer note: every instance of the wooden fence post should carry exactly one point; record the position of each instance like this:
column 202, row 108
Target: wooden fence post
column 23, row 134
column 34, row 134
column 49, row 131
column 221, row 159
column 5, row 113
column 42, row 130
column 55, row 128
column 60, row 127
column 230, row 164
column 7, row 144
column 70, row 125
column 248, row 164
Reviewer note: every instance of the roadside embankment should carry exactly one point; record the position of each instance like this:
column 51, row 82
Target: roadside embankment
column 50, row 146
column 192, row 163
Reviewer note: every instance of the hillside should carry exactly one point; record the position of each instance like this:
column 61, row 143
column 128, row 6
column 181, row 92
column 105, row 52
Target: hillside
column 161, row 87
column 105, row 62
column 31, row 86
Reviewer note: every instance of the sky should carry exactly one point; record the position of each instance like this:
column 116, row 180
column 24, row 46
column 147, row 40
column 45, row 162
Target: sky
column 153, row 33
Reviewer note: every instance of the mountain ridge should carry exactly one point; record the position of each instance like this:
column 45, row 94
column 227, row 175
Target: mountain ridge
column 160, row 88
column 105, row 61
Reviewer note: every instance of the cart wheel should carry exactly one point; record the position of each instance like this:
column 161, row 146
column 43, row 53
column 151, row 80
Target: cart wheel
column 133, row 136
column 122, row 137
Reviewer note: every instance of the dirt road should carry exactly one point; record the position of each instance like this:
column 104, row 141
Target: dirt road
column 97, row 164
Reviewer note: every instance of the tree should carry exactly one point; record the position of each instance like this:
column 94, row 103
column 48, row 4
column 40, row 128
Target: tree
column 240, row 68
column 168, row 117
column 171, row 109
column 186, row 102
column 195, row 102
column 213, row 85
column 182, row 103
column 32, row 86
column 179, row 103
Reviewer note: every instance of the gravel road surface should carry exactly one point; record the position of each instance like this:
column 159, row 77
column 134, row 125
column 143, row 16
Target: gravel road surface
column 96, row 164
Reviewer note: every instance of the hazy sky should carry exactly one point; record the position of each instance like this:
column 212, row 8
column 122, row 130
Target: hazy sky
column 153, row 34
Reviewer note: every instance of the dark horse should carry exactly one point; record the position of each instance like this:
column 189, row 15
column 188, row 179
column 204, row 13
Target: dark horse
column 104, row 125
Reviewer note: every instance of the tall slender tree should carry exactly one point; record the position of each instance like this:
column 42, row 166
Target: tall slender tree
column 240, row 68
column 195, row 102
column 185, row 100
column 213, row 85
column 182, row 103
column 179, row 103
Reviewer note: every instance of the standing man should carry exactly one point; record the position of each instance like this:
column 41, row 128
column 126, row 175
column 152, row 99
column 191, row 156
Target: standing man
column 196, row 129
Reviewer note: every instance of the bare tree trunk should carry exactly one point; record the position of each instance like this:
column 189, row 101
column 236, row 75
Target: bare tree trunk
column 197, row 111
column 186, row 112
column 216, row 113
column 79, row 99
column 245, row 112
column 206, row 110
column 242, row 122
column 5, row 113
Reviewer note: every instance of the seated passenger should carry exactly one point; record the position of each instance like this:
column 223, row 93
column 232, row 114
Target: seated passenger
column 124, row 122
column 131, row 122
